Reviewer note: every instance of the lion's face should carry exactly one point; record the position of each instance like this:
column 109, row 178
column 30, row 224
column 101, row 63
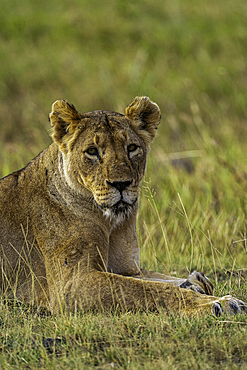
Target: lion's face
column 109, row 159
column 105, row 152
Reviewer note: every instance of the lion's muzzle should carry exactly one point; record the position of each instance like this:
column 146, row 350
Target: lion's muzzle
column 119, row 185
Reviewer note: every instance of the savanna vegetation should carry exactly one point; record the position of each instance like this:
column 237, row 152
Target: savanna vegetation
column 191, row 58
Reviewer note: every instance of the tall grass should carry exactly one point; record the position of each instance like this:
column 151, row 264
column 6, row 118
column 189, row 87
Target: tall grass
column 190, row 58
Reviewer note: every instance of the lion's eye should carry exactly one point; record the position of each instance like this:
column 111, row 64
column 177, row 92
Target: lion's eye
column 132, row 148
column 93, row 151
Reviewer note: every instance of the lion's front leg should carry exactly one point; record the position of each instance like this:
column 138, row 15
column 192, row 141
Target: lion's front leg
column 107, row 292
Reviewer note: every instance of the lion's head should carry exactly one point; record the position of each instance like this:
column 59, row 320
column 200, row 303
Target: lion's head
column 104, row 153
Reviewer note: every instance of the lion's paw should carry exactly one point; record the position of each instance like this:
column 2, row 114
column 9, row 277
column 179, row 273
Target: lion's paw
column 232, row 305
column 199, row 283
column 228, row 305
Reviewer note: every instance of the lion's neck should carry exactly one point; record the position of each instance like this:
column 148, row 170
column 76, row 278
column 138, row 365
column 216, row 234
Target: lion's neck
column 61, row 191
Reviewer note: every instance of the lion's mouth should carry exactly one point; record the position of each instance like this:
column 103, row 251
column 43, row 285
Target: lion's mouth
column 121, row 208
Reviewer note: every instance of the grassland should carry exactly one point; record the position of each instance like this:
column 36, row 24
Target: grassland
column 190, row 58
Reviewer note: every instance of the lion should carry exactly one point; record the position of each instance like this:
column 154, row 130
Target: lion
column 68, row 221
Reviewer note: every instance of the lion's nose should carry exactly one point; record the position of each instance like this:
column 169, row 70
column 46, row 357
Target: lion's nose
column 119, row 185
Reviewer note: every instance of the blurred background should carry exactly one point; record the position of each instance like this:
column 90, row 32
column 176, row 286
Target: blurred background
column 190, row 58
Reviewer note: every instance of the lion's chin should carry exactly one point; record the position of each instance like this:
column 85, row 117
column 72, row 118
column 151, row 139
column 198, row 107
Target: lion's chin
column 119, row 211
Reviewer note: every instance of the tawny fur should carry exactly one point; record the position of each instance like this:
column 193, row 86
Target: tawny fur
column 68, row 220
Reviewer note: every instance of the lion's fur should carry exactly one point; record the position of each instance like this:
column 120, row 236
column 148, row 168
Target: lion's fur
column 68, row 219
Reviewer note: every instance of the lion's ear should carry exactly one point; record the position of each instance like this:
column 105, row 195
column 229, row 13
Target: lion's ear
column 64, row 119
column 145, row 117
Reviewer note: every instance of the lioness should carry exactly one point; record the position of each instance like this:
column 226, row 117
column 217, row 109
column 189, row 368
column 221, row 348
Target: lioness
column 68, row 221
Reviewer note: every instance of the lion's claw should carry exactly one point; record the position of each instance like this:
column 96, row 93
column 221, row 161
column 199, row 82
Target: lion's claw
column 216, row 309
column 234, row 307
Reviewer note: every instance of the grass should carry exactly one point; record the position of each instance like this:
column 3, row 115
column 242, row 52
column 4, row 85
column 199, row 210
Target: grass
column 190, row 58
column 120, row 341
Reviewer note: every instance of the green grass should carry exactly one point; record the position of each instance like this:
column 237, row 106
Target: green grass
column 190, row 58
column 128, row 341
